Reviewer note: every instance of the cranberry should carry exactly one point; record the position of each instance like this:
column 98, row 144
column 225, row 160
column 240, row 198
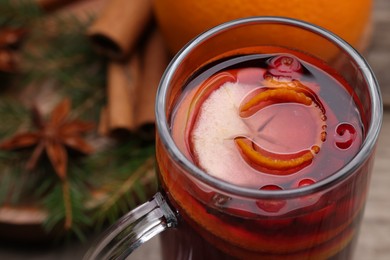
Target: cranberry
column 305, row 182
column 285, row 66
column 271, row 205
column 345, row 135
column 271, row 187
column 311, row 198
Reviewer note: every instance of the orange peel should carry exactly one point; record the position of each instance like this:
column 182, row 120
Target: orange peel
column 283, row 94
column 273, row 163
column 278, row 164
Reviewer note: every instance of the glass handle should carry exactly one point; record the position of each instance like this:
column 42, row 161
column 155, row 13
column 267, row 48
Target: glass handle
column 134, row 229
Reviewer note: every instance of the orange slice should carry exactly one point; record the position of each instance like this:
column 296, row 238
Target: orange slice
column 283, row 94
column 273, row 163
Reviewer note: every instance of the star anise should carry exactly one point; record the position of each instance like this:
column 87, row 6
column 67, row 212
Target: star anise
column 53, row 137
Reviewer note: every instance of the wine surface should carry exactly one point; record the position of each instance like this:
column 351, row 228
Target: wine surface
column 268, row 121
column 273, row 122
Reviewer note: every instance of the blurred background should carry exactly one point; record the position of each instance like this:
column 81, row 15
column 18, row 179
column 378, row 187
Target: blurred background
column 94, row 66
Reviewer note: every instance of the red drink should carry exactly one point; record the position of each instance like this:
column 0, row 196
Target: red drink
column 272, row 122
column 262, row 152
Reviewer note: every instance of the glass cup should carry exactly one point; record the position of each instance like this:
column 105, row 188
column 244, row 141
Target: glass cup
column 204, row 217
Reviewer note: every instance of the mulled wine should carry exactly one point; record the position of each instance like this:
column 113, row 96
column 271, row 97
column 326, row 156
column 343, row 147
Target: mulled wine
column 265, row 121
column 264, row 144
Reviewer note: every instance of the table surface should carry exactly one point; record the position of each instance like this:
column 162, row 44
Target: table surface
column 374, row 239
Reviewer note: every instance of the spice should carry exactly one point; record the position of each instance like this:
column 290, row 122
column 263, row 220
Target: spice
column 53, row 137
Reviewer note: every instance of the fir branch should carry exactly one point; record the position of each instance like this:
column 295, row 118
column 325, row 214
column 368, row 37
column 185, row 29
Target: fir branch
column 67, row 205
column 19, row 186
column 125, row 195
column 13, row 117
column 127, row 186
column 65, row 57
column 5, row 183
column 15, row 181
column 124, row 171
column 118, row 161
column 18, row 13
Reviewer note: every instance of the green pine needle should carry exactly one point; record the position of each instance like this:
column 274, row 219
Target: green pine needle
column 12, row 117
column 67, row 58
column 18, row 13
column 58, row 211
column 66, row 62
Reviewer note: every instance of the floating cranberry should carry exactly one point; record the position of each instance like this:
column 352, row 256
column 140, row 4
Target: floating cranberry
column 271, row 205
column 311, row 198
column 271, row 187
column 285, row 66
column 305, row 182
column 345, row 135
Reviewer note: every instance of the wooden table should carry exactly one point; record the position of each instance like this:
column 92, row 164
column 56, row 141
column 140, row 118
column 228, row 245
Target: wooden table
column 374, row 240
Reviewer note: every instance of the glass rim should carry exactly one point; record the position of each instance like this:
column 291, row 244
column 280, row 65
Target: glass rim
column 366, row 148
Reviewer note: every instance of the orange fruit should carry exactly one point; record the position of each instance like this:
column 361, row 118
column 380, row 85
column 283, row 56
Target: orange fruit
column 181, row 20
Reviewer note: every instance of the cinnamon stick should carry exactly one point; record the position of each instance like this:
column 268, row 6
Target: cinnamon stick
column 155, row 60
column 123, row 81
column 116, row 31
column 103, row 122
